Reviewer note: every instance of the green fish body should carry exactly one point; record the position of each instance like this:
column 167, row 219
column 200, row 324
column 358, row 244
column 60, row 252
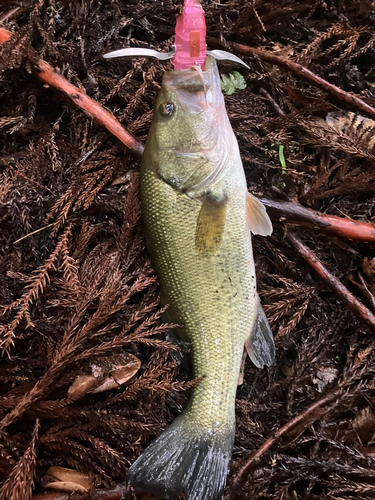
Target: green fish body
column 198, row 216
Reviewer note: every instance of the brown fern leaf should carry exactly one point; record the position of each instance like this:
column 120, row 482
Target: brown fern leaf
column 351, row 42
column 287, row 305
column 359, row 129
column 319, row 133
column 76, row 454
column 314, row 48
column 33, row 291
column 118, row 86
column 80, row 195
column 20, row 482
column 148, row 78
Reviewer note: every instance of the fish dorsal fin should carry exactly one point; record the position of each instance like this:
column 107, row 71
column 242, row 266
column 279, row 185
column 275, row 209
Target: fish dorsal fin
column 257, row 219
column 260, row 345
column 210, row 226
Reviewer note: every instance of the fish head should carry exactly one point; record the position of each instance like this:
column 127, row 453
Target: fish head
column 191, row 137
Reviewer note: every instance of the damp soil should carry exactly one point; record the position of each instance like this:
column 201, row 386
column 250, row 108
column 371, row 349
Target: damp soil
column 77, row 286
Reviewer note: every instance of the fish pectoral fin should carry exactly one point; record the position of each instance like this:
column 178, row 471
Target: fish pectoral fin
column 257, row 219
column 260, row 345
column 210, row 225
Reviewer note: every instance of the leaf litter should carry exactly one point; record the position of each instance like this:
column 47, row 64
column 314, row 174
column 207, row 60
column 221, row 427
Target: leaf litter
column 77, row 286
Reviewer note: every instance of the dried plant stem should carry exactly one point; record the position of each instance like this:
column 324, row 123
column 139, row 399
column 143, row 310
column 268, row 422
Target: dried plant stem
column 333, row 283
column 48, row 76
column 7, row 15
column 294, row 213
column 34, row 232
column 20, row 482
column 312, row 413
column 277, row 108
column 117, row 493
column 300, row 71
column 25, row 176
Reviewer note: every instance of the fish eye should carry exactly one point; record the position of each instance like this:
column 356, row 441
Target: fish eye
column 167, row 109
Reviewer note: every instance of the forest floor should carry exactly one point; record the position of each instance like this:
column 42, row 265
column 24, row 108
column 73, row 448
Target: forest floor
column 79, row 297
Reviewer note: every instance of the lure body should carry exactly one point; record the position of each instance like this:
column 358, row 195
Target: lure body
column 190, row 38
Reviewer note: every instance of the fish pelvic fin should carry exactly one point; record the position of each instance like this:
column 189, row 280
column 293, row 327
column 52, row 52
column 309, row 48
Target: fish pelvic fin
column 260, row 345
column 185, row 458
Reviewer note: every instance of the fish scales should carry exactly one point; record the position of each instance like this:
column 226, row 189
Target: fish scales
column 197, row 215
column 212, row 297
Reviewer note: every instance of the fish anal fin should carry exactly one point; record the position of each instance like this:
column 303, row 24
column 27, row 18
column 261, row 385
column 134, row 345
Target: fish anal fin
column 257, row 219
column 210, row 225
column 260, row 345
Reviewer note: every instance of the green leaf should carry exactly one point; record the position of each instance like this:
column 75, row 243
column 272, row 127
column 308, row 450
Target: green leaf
column 235, row 81
column 239, row 79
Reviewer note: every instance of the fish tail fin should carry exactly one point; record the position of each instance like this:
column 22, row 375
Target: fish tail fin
column 186, row 459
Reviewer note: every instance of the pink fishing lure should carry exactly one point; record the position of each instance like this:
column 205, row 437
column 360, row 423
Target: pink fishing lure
column 190, row 39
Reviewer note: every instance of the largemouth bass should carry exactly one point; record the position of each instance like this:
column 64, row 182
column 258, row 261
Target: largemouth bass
column 198, row 216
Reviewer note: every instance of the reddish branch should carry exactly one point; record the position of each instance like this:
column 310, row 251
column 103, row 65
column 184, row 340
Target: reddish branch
column 299, row 70
column 4, row 35
column 294, row 213
column 48, row 76
column 311, row 414
column 333, row 283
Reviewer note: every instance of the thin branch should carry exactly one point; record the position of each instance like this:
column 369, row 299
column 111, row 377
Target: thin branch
column 363, row 314
column 299, row 70
column 7, row 15
column 34, row 232
column 48, row 76
column 117, row 493
column 20, row 482
column 330, row 225
column 25, row 176
column 278, row 110
column 312, row 413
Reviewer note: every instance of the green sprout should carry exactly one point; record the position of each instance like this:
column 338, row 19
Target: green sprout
column 277, row 146
column 282, row 159
column 235, row 81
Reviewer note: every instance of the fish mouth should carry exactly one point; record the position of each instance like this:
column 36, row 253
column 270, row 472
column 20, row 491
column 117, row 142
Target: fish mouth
column 196, row 90
column 187, row 154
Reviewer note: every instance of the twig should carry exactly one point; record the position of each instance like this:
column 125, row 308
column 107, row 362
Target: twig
column 34, row 232
column 278, row 110
column 312, row 413
column 25, row 176
column 299, row 70
column 259, row 19
column 294, row 213
column 7, row 15
column 48, row 76
column 364, row 314
column 115, row 494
